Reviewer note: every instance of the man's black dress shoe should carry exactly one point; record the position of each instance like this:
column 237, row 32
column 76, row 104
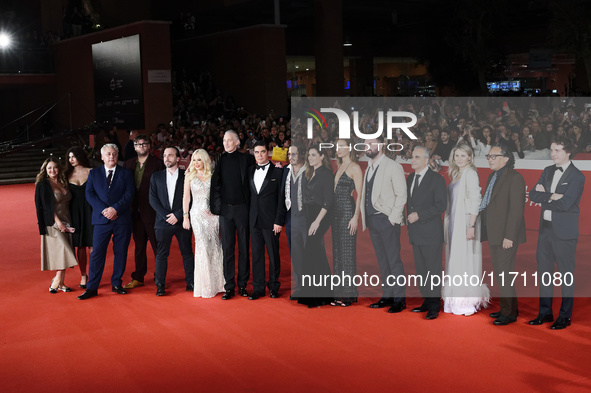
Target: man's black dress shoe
column 274, row 294
column 540, row 319
column 397, row 307
column 432, row 315
column 118, row 289
column 381, row 303
column 561, row 323
column 495, row 315
column 160, row 290
column 189, row 287
column 256, row 295
column 423, row 308
column 228, row 295
column 504, row 320
column 88, row 294
column 242, row 292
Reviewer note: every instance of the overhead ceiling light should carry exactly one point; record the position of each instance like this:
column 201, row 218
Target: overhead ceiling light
column 297, row 66
column 307, row 69
column 347, row 42
column 4, row 40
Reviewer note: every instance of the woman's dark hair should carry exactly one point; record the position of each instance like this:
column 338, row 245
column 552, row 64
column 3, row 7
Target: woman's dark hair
column 80, row 155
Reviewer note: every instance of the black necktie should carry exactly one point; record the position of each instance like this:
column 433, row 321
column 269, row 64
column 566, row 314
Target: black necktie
column 261, row 166
column 417, row 177
column 558, row 168
column 109, row 177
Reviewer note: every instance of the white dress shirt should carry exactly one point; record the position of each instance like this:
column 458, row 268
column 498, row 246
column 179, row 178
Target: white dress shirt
column 555, row 180
column 171, row 179
column 259, row 176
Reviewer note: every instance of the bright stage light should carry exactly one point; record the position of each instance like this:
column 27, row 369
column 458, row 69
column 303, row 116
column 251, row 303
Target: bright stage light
column 4, row 40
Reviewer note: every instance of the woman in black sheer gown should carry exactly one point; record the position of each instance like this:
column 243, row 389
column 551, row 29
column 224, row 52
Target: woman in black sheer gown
column 348, row 177
column 317, row 199
column 77, row 169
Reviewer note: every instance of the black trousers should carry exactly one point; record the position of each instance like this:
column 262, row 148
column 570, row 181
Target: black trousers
column 183, row 237
column 552, row 249
column 233, row 225
column 385, row 238
column 428, row 259
column 142, row 232
column 259, row 239
column 503, row 262
column 297, row 232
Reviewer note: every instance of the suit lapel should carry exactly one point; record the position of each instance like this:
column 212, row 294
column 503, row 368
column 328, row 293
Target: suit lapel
column 267, row 178
column 178, row 190
column 499, row 183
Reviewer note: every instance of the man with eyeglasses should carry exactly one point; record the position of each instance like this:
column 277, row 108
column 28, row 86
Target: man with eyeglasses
column 503, row 226
column 143, row 215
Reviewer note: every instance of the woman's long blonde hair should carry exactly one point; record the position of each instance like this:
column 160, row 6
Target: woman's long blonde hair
column 192, row 171
column 454, row 170
column 61, row 176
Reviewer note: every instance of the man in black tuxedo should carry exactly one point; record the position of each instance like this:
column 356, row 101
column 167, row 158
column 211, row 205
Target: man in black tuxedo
column 266, row 218
column 559, row 190
column 109, row 190
column 142, row 166
column 230, row 199
column 425, row 203
column 166, row 197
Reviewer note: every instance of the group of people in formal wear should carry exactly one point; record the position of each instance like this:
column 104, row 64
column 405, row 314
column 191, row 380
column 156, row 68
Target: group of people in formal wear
column 246, row 199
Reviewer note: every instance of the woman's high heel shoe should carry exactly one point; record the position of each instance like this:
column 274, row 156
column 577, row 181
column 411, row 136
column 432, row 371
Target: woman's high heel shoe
column 83, row 286
column 64, row 288
column 51, row 289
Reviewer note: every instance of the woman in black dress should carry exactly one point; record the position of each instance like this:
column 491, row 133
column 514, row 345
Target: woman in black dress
column 344, row 223
column 77, row 169
column 317, row 200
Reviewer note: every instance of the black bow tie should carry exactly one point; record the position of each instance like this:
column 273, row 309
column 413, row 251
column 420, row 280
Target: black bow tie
column 558, row 168
column 261, row 166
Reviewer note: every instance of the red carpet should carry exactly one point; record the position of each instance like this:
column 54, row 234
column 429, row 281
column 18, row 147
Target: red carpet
column 177, row 343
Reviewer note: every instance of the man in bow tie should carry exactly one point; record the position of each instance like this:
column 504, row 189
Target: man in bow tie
column 559, row 190
column 266, row 217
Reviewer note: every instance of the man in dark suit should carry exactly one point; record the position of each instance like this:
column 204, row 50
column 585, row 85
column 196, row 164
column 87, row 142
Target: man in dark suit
column 109, row 190
column 503, row 225
column 166, row 197
column 559, row 190
column 142, row 167
column 266, row 218
column 230, row 198
column 293, row 184
column 425, row 203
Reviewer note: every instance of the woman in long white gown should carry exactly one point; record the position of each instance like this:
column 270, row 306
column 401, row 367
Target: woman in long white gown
column 463, row 250
column 209, row 275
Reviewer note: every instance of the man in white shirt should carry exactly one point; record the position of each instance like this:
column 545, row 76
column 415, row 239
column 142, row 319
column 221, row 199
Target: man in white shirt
column 166, row 197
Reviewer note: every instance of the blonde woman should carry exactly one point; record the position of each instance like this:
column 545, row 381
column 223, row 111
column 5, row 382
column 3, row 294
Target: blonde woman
column 209, row 275
column 52, row 198
column 463, row 250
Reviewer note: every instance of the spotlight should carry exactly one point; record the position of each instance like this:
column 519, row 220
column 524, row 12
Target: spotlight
column 4, row 40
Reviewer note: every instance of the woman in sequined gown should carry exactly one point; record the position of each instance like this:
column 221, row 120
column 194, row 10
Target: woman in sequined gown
column 344, row 223
column 209, row 275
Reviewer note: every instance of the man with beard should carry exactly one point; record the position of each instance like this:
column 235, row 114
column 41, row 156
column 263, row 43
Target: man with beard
column 142, row 167
column 382, row 204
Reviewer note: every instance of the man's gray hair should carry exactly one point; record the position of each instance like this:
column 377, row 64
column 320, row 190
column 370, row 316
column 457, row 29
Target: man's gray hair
column 109, row 145
column 424, row 149
column 235, row 135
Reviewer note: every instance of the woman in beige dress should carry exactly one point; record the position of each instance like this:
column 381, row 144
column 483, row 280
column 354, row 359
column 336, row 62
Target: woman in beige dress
column 52, row 198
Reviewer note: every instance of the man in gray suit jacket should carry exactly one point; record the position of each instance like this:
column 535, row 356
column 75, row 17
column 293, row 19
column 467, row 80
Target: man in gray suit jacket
column 382, row 205
column 559, row 190
column 166, row 197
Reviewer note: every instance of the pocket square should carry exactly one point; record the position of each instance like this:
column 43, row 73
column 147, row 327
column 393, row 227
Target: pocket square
column 273, row 179
column 564, row 184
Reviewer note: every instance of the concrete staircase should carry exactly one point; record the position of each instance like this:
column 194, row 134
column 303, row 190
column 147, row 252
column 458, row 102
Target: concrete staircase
column 22, row 166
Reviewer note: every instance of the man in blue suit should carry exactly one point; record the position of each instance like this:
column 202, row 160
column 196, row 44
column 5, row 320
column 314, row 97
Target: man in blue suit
column 166, row 198
column 559, row 190
column 109, row 190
